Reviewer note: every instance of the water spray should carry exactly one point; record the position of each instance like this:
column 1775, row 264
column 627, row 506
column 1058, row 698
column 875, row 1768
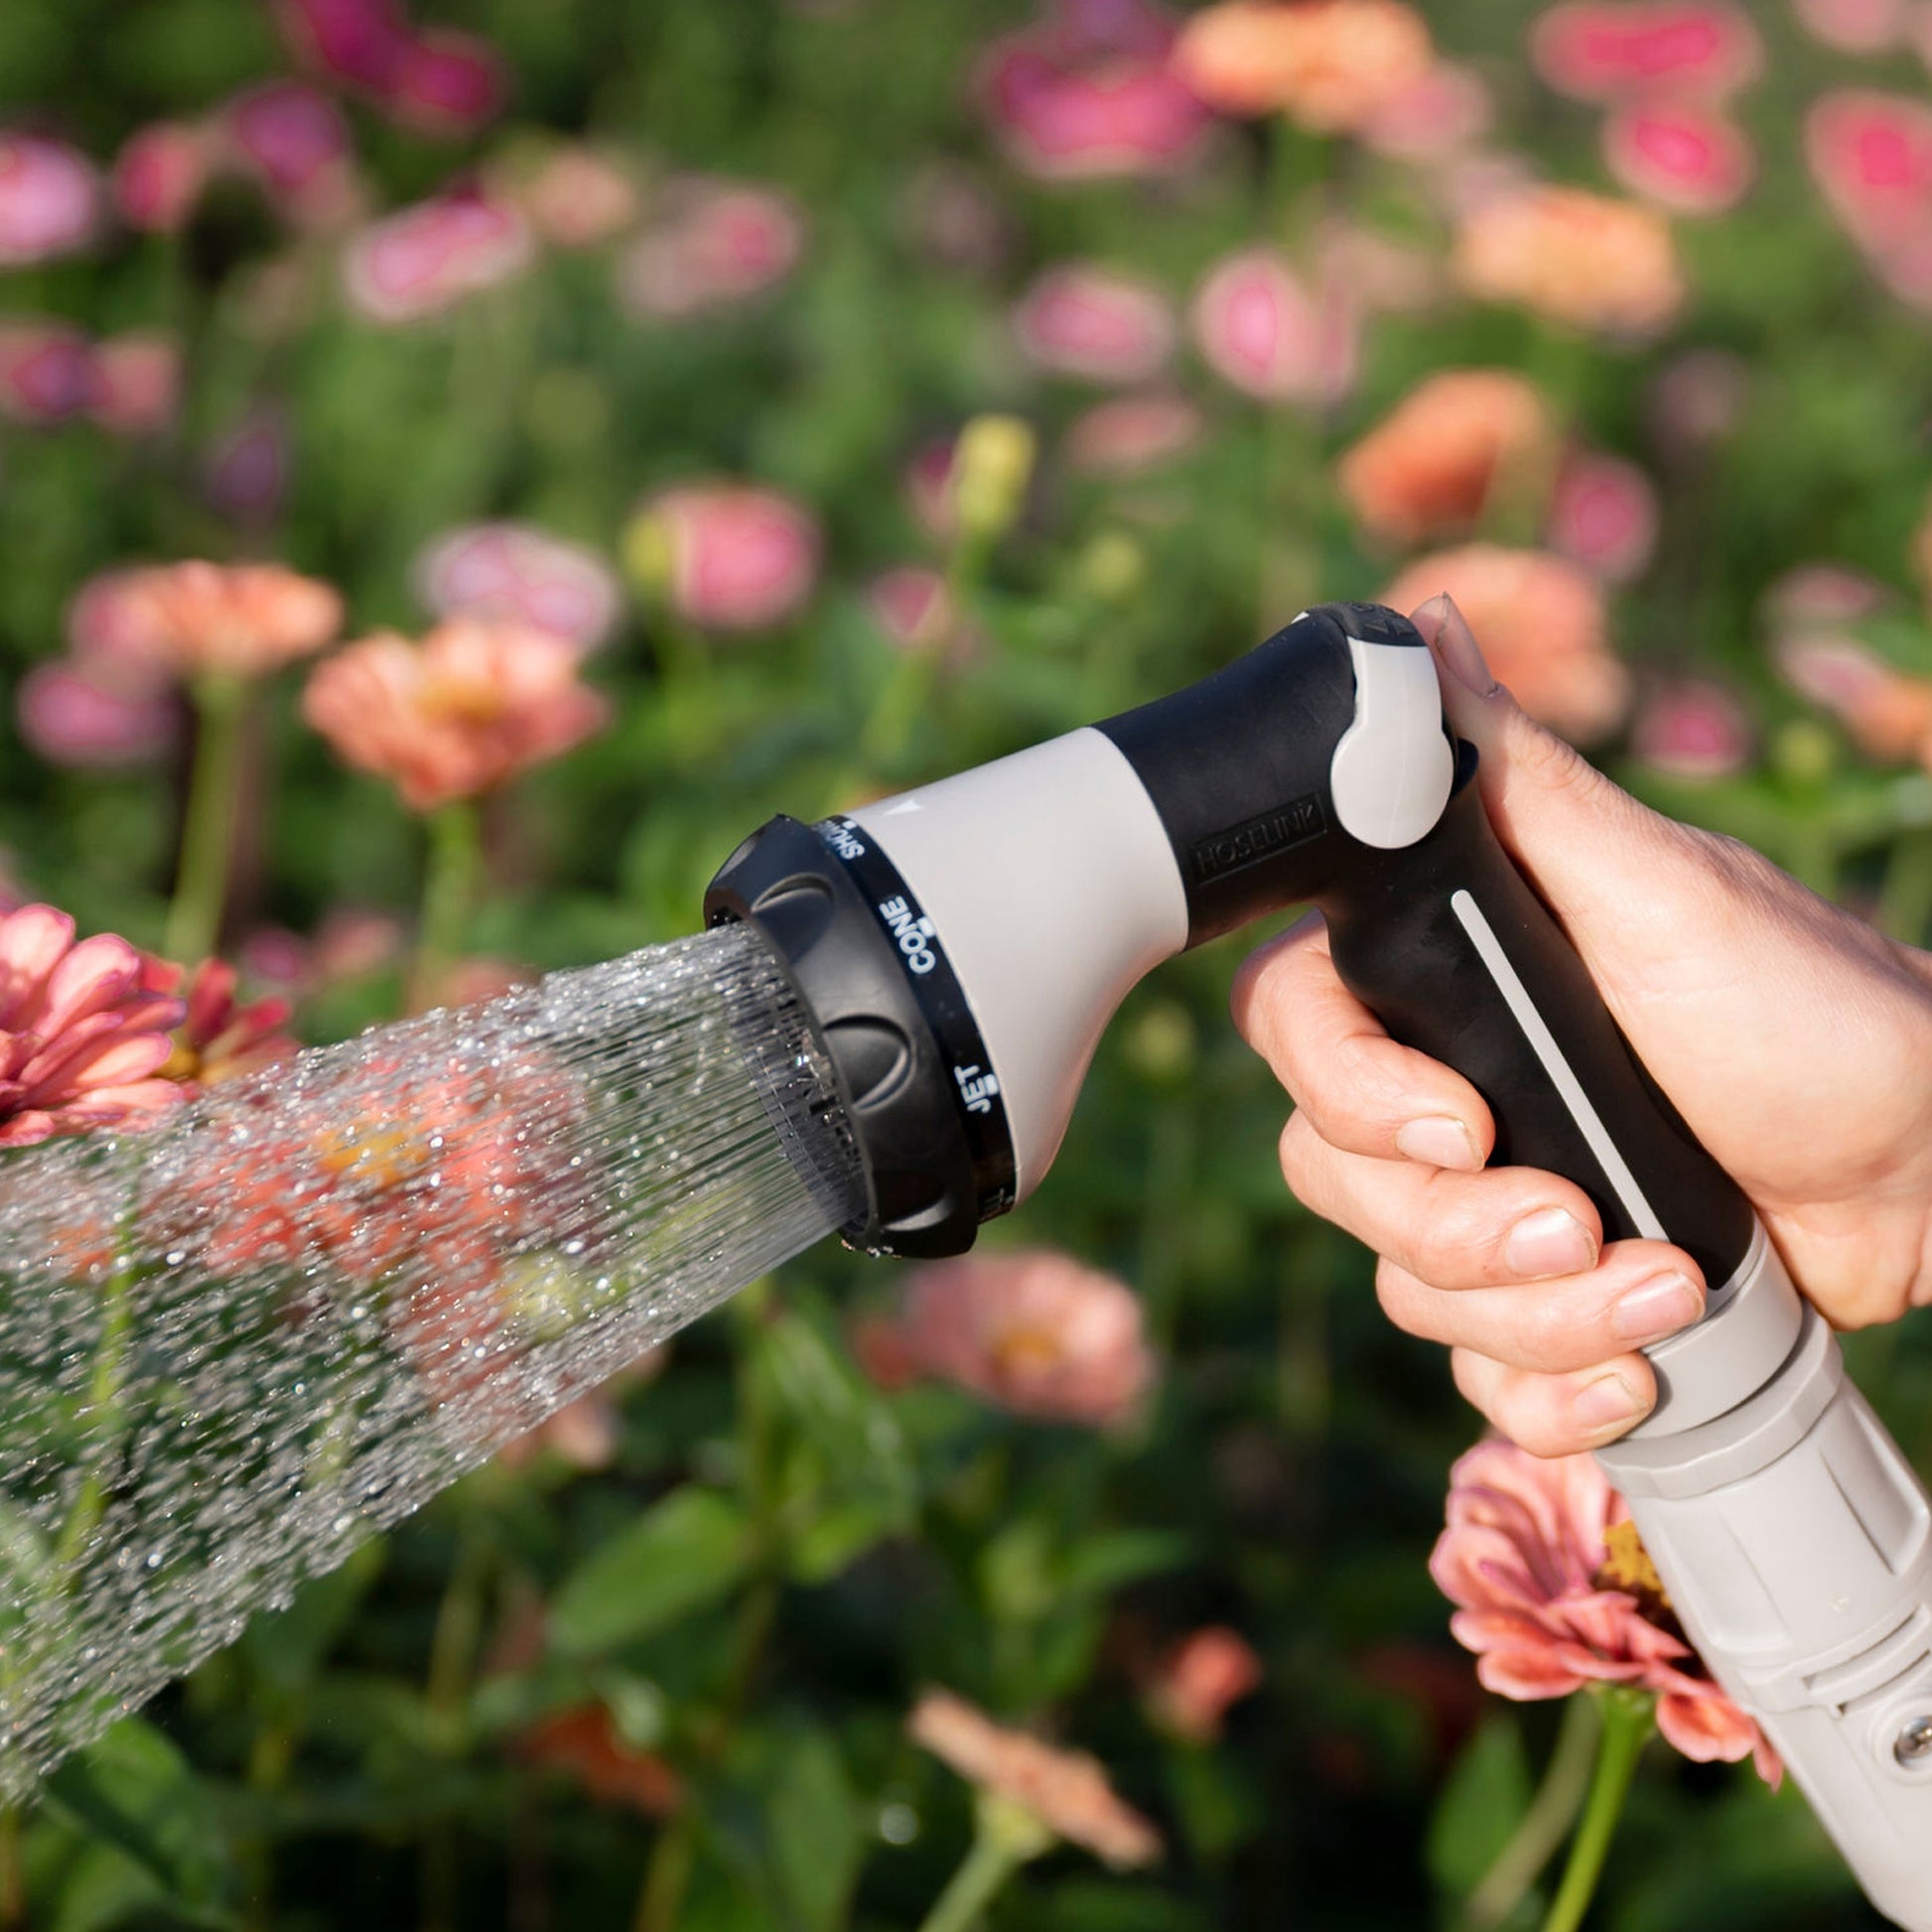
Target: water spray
column 231, row 1349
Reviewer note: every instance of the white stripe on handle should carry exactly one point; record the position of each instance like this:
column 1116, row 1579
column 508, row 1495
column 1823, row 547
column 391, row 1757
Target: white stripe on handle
column 1540, row 1038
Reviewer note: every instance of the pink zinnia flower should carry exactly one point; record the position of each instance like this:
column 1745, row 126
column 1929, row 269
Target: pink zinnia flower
column 159, row 175
column 1853, row 26
column 1440, row 115
column 219, row 1038
column 913, row 606
column 245, row 472
column 424, row 259
column 1200, row 1679
column 49, row 200
column 1681, row 153
column 83, row 1035
column 295, row 141
column 1593, row 49
column 1604, row 515
column 516, row 571
column 47, row 373
column 1814, row 597
column 1697, row 399
column 1693, row 730
column 1871, row 154
column 446, row 82
column 1887, row 712
column 190, row 619
column 136, row 383
column 1130, row 435
column 458, row 714
column 1032, row 1330
column 361, row 41
column 1261, row 329
column 711, row 243
column 575, row 196
column 1554, row 1591
column 75, row 713
column 728, row 556
column 1081, row 95
column 1085, row 320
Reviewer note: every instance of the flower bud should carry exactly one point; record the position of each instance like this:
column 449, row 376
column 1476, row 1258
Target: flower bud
column 993, row 463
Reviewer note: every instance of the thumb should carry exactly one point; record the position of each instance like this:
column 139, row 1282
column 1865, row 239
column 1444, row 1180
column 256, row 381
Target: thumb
column 1614, row 872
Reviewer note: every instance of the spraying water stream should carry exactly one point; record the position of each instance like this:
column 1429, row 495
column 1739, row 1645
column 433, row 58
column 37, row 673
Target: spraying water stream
column 233, row 1349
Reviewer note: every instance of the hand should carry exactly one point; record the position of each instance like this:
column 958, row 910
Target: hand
column 1795, row 1041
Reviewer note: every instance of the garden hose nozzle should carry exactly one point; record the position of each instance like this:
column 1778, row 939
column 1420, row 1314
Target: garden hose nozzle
column 961, row 947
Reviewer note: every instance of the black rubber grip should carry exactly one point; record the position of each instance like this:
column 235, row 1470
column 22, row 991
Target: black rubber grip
column 1404, row 947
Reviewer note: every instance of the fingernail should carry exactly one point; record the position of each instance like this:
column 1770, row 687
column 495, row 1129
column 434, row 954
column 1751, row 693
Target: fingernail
column 1457, row 647
column 1607, row 1403
column 1438, row 1141
column 1657, row 1307
column 1549, row 1242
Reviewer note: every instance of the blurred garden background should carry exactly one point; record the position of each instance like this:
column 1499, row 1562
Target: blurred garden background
column 763, row 404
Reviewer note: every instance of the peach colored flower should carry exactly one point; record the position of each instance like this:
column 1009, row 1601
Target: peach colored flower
column 424, row 260
column 49, row 200
column 1682, row 154
column 1440, row 115
column 1596, row 49
column 911, row 604
column 575, row 196
column 159, row 175
column 518, row 573
column 711, row 243
column 1543, row 627
column 136, row 383
column 1127, row 436
column 1554, row 1591
column 1572, row 257
column 1433, row 466
column 1887, row 713
column 1261, row 329
column 1082, row 319
column 457, row 714
column 1200, row 1679
column 1066, row 1791
column 1853, row 26
column 1330, row 65
column 728, row 556
column 583, row 1743
column 1604, row 515
column 84, row 1035
column 191, row 619
column 218, row 1039
column 1692, row 730
column 1031, row 1329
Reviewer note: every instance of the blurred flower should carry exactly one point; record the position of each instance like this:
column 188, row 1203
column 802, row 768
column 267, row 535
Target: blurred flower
column 1445, row 111
column 360, row 42
column 1081, row 319
column 1604, row 515
column 575, row 196
column 295, row 142
column 1887, row 713
column 1554, row 1591
column 710, row 243
column 1594, row 50
column 1200, row 1679
column 473, row 981
column 587, row 1433
column 1129, row 435
column 913, row 606
column 47, row 373
column 83, row 1035
column 237, row 620
column 245, row 472
column 1680, row 153
column 1067, row 1792
column 1542, row 627
column 1031, row 1330
column 75, row 713
column 992, row 469
column 1456, row 441
column 1691, row 729
column 1263, row 331
column 424, row 260
column 1330, row 65
column 1853, row 26
column 727, row 556
column 584, row 1744
column 1871, row 156
column 1381, row 275
column 218, row 1039
column 49, row 200
column 446, row 82
column 1818, row 597
column 1697, row 399
column 955, row 219
column 456, row 716
column 516, row 571
column 1084, row 93
column 350, row 943
column 159, row 175
column 928, row 489
column 136, row 383
column 1573, row 257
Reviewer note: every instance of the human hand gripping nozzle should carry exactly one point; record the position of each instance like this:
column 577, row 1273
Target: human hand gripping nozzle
column 961, row 947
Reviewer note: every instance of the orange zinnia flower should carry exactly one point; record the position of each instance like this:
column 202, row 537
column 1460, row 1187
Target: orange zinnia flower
column 189, row 619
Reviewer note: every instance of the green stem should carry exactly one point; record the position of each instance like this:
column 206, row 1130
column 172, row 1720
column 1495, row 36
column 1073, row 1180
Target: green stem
column 208, row 830
column 13, row 1880
column 103, row 1409
column 452, row 1655
column 981, row 1877
column 1628, row 1717
column 449, row 887
column 1543, row 1825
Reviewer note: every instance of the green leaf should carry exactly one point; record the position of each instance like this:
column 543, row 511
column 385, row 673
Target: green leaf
column 1101, row 1563
column 1483, row 1798
column 681, row 1553
column 133, row 1790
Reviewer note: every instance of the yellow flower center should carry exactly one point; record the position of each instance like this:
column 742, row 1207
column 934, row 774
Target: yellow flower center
column 1024, row 1350
column 1628, row 1567
column 376, row 1155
